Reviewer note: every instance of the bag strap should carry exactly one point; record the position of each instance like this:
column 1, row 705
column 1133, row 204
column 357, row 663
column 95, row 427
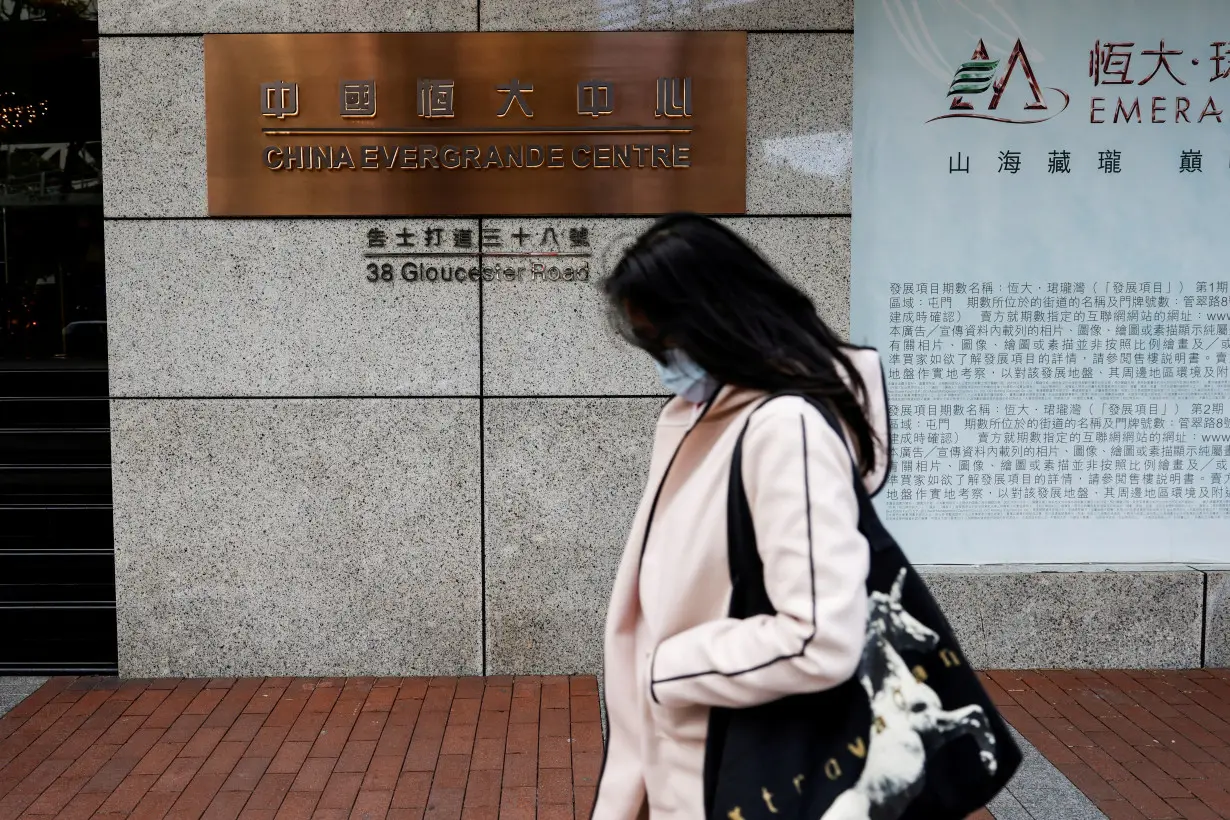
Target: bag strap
column 746, row 568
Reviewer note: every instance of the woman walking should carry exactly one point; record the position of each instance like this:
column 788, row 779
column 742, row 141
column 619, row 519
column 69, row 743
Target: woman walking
column 726, row 330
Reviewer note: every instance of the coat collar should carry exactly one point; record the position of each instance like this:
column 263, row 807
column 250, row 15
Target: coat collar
column 726, row 403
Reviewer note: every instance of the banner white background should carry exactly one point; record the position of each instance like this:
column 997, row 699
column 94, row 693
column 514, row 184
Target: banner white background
column 1048, row 277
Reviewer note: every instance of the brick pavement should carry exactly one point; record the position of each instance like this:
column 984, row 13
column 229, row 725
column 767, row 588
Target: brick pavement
column 286, row 748
column 1139, row 744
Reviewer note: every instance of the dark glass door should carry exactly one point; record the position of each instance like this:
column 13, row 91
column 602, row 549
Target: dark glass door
column 57, row 566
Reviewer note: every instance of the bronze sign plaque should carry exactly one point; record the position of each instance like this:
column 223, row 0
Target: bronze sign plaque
column 476, row 123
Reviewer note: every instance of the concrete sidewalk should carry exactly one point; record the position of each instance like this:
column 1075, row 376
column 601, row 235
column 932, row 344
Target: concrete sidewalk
column 1097, row 745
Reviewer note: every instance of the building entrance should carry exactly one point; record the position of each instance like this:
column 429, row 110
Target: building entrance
column 57, row 573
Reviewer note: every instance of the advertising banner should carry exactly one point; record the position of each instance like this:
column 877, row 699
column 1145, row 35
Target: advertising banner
column 1040, row 241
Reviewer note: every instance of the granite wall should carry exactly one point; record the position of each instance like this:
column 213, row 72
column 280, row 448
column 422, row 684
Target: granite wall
column 314, row 475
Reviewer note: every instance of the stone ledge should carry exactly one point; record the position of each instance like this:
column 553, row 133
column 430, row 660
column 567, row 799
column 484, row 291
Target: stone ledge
column 1073, row 616
column 1217, row 616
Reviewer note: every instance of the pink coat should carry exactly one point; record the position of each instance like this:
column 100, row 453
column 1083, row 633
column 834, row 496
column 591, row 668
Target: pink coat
column 671, row 652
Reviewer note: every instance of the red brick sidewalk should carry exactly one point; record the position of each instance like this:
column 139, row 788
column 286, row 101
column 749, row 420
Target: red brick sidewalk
column 1138, row 744
column 289, row 748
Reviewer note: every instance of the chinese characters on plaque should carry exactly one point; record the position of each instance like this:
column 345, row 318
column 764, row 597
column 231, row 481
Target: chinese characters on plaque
column 280, row 100
column 411, row 124
column 357, row 98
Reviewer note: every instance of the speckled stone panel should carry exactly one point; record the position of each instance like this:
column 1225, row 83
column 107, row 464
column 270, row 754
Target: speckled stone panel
column 153, row 126
column 297, row 537
column 692, row 15
column 563, row 477
column 1217, row 618
column 207, row 16
column 1022, row 618
column 543, row 337
column 284, row 308
column 800, row 141
column 812, row 253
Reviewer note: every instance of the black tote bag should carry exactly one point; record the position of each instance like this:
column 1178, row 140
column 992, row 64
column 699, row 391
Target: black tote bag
column 912, row 735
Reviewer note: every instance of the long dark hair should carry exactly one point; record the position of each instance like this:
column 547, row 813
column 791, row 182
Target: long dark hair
column 690, row 283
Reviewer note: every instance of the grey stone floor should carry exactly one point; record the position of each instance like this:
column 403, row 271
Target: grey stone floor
column 1040, row 792
column 13, row 690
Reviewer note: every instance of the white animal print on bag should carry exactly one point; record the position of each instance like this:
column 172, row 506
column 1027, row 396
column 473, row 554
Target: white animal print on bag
column 908, row 718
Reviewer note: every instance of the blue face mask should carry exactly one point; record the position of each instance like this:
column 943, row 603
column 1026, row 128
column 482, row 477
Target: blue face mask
column 685, row 378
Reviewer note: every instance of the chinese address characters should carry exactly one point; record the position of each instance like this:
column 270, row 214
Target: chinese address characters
column 555, row 253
